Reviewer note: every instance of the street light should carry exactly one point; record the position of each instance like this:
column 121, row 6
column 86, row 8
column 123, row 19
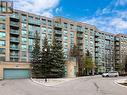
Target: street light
column 45, row 66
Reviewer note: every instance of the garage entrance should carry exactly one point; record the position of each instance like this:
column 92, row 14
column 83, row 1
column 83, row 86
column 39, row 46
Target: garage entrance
column 16, row 73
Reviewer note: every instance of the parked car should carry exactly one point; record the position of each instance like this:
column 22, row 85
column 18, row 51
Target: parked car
column 111, row 74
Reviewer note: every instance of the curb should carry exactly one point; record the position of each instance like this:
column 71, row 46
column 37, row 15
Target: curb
column 51, row 85
column 120, row 81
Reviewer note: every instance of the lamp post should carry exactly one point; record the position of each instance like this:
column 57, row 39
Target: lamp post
column 45, row 66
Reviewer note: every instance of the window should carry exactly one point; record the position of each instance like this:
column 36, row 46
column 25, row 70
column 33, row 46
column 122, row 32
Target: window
column 24, row 18
column 79, row 28
column 2, row 18
column 65, row 25
column 2, row 58
column 2, row 26
column 23, row 26
column 31, row 27
column 44, row 21
column 24, row 33
column 2, row 51
column 2, row 43
column 65, row 45
column 49, row 37
column 23, row 59
column 31, row 41
column 49, row 31
column 24, row 47
column 23, row 53
column 72, row 34
column 65, row 39
column 49, row 22
column 37, row 29
column 2, row 34
column 65, row 33
column 24, row 40
column 43, row 29
column 71, row 26
column 43, row 36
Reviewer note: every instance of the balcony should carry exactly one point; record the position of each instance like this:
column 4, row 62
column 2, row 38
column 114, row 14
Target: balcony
column 31, row 21
column 79, row 35
column 80, row 30
column 58, row 32
column 96, row 40
column 15, row 40
column 80, row 42
column 58, row 38
column 57, row 25
column 14, row 24
column 117, row 48
column 97, row 35
column 117, row 44
column 96, row 55
column 96, row 50
column 15, row 32
column 14, row 47
column 97, row 45
column 31, row 35
column 107, row 38
column 117, row 39
column 14, row 55
column 38, row 22
column 14, row 16
column 107, row 47
column 81, row 48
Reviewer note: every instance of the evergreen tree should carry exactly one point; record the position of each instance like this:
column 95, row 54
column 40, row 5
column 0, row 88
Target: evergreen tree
column 45, row 59
column 35, row 62
column 57, row 58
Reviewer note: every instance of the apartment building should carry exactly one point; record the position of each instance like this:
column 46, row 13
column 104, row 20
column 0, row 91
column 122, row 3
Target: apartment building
column 17, row 37
column 120, row 52
column 104, row 51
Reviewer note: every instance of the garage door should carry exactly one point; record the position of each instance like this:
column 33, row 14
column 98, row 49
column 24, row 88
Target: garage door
column 16, row 73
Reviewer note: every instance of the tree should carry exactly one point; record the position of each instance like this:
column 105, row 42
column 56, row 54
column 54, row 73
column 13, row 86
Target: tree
column 57, row 58
column 88, row 63
column 74, row 51
column 35, row 63
column 45, row 59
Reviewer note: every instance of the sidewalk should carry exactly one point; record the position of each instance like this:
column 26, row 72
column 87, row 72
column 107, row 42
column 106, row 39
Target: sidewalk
column 57, row 81
column 52, row 82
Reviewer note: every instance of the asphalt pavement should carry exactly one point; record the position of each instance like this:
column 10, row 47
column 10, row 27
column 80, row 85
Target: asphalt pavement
column 91, row 85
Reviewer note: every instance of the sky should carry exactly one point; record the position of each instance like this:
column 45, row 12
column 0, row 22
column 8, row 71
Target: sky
column 106, row 15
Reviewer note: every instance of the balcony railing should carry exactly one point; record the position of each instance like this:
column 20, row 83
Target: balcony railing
column 58, row 32
column 14, row 55
column 80, row 35
column 15, row 16
column 97, row 34
column 58, row 25
column 80, row 42
column 117, row 39
column 32, row 21
column 31, row 35
column 59, row 38
column 80, row 30
column 16, row 24
column 12, row 47
column 14, row 40
column 16, row 32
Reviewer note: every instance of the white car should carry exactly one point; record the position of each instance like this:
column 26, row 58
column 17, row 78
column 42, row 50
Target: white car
column 111, row 74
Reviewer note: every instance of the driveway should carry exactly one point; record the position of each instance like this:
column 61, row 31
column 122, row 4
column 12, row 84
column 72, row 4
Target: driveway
column 95, row 85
